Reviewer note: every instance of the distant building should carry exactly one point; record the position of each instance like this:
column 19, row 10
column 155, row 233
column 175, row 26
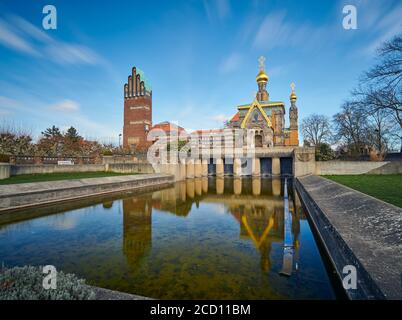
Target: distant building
column 168, row 127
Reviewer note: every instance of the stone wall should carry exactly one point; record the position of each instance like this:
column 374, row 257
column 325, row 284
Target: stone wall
column 20, row 196
column 129, row 167
column 54, row 168
column 4, row 171
column 7, row 170
column 357, row 167
column 304, row 161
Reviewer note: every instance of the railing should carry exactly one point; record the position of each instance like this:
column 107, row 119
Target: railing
column 53, row 160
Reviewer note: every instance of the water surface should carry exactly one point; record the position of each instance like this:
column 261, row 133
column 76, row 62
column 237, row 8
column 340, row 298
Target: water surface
column 200, row 239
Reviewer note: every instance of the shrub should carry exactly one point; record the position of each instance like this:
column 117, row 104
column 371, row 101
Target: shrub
column 4, row 158
column 107, row 153
column 25, row 283
column 323, row 152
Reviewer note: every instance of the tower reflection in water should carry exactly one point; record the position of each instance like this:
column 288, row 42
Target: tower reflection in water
column 256, row 204
column 137, row 228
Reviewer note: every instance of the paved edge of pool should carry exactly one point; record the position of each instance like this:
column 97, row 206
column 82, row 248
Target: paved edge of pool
column 17, row 197
column 353, row 233
column 107, row 294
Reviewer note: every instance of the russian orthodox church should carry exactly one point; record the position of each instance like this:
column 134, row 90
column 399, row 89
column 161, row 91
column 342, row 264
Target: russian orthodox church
column 267, row 118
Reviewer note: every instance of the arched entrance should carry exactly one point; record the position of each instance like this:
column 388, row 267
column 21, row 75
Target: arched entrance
column 258, row 141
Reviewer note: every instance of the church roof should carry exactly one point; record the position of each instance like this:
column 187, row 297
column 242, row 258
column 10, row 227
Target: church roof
column 208, row 131
column 168, row 127
column 255, row 105
column 235, row 117
column 263, row 104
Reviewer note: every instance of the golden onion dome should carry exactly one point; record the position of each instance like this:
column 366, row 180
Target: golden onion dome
column 262, row 76
column 293, row 96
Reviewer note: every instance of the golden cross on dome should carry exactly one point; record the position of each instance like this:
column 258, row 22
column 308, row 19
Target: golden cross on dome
column 261, row 60
column 293, row 86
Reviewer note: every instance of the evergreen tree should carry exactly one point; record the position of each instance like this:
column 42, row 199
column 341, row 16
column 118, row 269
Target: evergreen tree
column 72, row 135
column 52, row 132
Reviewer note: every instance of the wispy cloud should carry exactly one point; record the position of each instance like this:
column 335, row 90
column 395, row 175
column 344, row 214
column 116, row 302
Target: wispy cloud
column 220, row 118
column 4, row 113
column 19, row 34
column 277, row 31
column 6, row 102
column 217, row 9
column 12, row 40
column 383, row 24
column 63, row 114
column 65, row 106
column 231, row 63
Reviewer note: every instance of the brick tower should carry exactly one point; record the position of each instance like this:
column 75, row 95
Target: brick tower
column 293, row 128
column 137, row 111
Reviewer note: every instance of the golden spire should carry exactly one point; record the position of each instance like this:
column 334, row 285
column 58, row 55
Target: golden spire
column 262, row 76
column 293, row 96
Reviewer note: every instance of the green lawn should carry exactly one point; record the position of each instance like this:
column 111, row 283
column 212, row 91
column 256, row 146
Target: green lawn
column 24, row 178
column 385, row 187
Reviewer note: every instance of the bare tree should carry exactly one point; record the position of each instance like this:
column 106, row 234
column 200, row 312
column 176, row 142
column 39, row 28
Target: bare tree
column 381, row 131
column 316, row 129
column 381, row 87
column 351, row 127
column 388, row 72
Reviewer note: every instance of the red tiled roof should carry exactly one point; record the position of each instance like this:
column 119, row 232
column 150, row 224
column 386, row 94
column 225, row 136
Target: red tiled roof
column 208, row 131
column 167, row 127
column 235, row 117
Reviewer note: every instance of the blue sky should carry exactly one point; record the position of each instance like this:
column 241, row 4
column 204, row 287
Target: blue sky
column 200, row 57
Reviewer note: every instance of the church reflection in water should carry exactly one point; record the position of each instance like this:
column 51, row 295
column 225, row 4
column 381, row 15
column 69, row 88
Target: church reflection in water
column 256, row 204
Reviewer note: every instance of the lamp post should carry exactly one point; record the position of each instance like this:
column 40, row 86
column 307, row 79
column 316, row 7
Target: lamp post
column 119, row 140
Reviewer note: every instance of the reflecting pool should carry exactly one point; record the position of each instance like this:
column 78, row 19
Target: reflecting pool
column 205, row 238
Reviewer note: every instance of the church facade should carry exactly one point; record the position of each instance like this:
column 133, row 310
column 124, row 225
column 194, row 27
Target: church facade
column 266, row 118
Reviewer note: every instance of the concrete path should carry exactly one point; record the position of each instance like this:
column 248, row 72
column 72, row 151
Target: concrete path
column 17, row 196
column 106, row 294
column 360, row 230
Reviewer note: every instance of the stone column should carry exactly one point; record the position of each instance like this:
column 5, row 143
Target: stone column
column 219, row 167
column 256, row 166
column 237, row 167
column 190, row 188
column 183, row 171
column 276, row 166
column 165, row 168
column 220, row 185
column 276, row 186
column 173, row 169
column 237, row 186
column 190, row 168
column 198, row 187
column 204, row 167
column 205, row 185
column 256, row 186
column 197, row 168
column 183, row 190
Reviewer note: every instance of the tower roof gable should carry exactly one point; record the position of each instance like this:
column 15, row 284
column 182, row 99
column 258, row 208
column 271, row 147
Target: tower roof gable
column 255, row 104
